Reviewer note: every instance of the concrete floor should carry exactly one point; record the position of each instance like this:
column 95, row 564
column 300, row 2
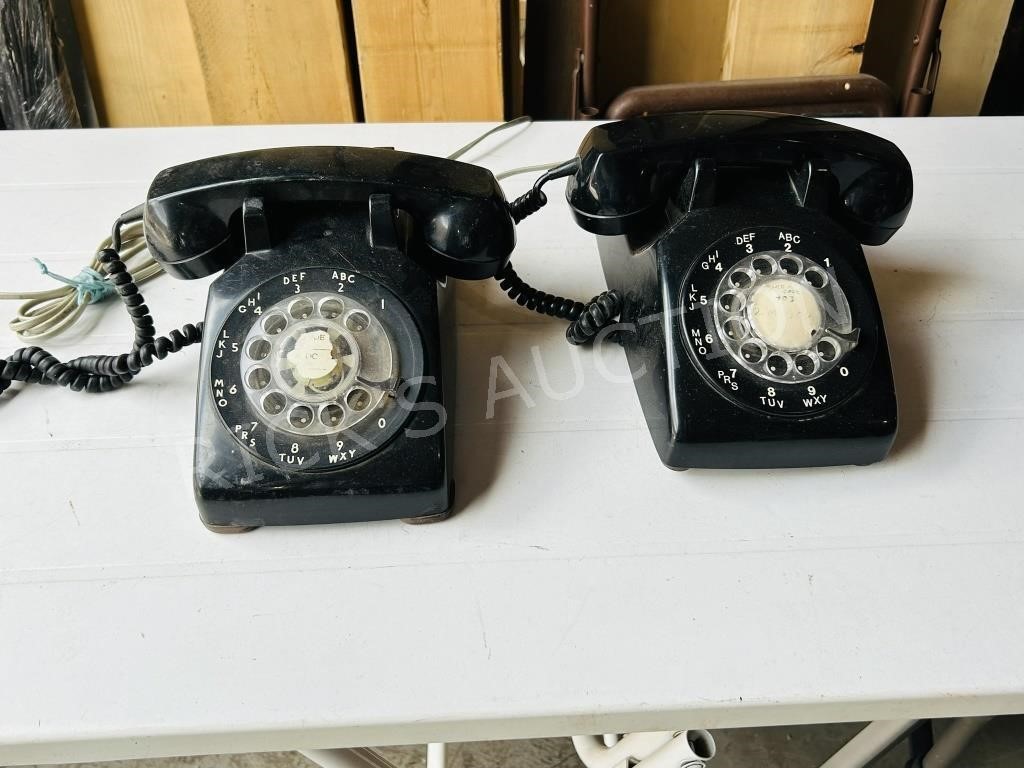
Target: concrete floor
column 1000, row 745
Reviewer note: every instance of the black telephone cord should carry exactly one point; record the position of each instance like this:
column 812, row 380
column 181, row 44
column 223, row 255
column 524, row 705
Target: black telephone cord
column 103, row 373
column 585, row 320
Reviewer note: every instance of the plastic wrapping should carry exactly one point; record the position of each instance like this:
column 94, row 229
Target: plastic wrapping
column 35, row 90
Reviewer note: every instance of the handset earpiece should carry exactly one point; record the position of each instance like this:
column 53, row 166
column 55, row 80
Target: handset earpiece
column 176, row 227
column 469, row 239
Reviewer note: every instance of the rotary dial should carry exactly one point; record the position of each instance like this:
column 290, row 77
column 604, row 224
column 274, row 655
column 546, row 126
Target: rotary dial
column 316, row 369
column 782, row 317
column 769, row 315
column 317, row 363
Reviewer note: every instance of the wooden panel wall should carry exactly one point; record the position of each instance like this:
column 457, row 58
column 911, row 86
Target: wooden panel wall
column 785, row 38
column 430, row 59
column 649, row 42
column 653, row 42
column 195, row 62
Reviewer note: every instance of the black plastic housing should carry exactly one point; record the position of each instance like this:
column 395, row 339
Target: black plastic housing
column 398, row 224
column 692, row 424
column 677, row 201
column 409, row 477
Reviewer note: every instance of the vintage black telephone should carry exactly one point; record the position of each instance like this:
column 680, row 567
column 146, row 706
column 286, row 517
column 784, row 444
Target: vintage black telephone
column 328, row 333
column 330, row 330
column 731, row 244
column 737, row 286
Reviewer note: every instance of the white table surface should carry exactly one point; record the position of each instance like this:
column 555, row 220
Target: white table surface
column 581, row 587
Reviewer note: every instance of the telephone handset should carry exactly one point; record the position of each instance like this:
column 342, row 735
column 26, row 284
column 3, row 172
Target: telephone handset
column 732, row 245
column 328, row 338
column 458, row 211
column 629, row 170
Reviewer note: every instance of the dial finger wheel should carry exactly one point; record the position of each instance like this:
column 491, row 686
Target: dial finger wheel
column 769, row 315
column 313, row 369
column 782, row 318
column 324, row 351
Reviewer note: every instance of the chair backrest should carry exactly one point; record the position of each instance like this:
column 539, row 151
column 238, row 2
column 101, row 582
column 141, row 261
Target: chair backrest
column 821, row 96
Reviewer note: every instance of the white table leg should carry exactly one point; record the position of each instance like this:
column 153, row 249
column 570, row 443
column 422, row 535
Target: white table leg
column 362, row 757
column 872, row 742
column 436, row 757
column 356, row 757
column 953, row 741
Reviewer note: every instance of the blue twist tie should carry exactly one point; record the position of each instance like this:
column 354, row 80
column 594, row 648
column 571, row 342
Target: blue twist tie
column 90, row 286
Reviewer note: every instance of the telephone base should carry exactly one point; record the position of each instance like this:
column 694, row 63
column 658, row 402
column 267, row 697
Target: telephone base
column 703, row 408
column 230, row 528
column 267, row 452
column 428, row 519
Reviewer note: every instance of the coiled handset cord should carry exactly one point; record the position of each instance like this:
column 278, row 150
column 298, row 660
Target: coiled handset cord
column 585, row 319
column 104, row 373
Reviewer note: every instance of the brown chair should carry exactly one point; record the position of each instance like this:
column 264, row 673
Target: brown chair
column 851, row 96
column 907, row 60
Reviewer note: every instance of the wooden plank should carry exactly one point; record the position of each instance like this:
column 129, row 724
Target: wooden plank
column 659, row 41
column 273, row 61
column 429, row 60
column 142, row 61
column 186, row 62
column 972, row 32
column 788, row 38
column 649, row 42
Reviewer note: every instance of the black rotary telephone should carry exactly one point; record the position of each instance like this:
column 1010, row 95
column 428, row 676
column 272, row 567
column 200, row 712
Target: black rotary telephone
column 327, row 363
column 331, row 329
column 731, row 244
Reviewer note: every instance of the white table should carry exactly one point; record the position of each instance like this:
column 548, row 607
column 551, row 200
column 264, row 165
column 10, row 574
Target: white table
column 581, row 587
